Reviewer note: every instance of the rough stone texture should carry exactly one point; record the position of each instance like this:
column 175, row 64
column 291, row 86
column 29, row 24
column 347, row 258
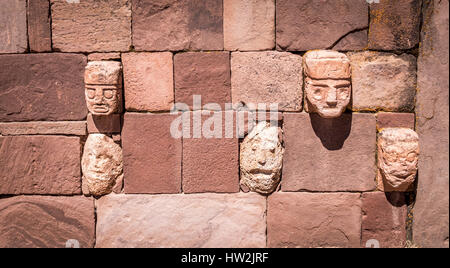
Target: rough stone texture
column 327, row 84
column 13, row 33
column 91, row 25
column 313, row 220
column 303, row 24
column 394, row 24
column 329, row 154
column 261, row 158
column 104, row 56
column 205, row 74
column 148, row 81
column 46, row 222
column 384, row 219
column 249, row 25
column 40, row 165
column 42, row 87
column 103, row 87
column 152, row 158
column 398, row 153
column 353, row 41
column 431, row 219
column 403, row 120
column 39, row 34
column 211, row 164
column 182, row 221
column 77, row 128
column 383, row 81
column 101, row 164
column 104, row 124
column 177, row 25
column 247, row 120
column 267, row 77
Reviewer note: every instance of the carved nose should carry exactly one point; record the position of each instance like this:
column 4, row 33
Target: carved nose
column 331, row 97
column 262, row 162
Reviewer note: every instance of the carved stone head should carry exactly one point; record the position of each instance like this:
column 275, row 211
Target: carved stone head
column 101, row 164
column 328, row 82
column 398, row 150
column 261, row 158
column 103, row 87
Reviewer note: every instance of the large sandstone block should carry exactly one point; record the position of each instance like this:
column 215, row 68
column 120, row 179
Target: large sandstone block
column 148, row 79
column 13, row 33
column 151, row 156
column 311, row 220
column 394, row 24
column 77, row 128
column 431, row 211
column 329, row 154
column 383, row 81
column 384, row 219
column 403, row 120
column 47, row 222
column 182, row 221
column 203, row 73
column 303, row 24
column 91, row 25
column 39, row 33
column 267, row 77
column 40, row 165
column 47, row 87
column 353, row 41
column 211, row 164
column 249, row 25
column 177, row 25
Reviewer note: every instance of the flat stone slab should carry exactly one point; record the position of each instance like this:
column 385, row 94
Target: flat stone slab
column 182, row 221
column 47, row 222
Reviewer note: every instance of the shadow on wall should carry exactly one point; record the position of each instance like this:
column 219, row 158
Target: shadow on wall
column 332, row 132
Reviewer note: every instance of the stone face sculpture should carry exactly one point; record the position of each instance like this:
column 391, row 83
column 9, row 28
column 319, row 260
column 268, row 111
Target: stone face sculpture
column 398, row 150
column 261, row 158
column 103, row 87
column 328, row 82
column 101, row 164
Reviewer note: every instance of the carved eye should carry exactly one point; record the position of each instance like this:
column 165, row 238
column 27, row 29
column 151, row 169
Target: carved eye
column 317, row 93
column 108, row 93
column 272, row 150
column 90, row 93
column 343, row 93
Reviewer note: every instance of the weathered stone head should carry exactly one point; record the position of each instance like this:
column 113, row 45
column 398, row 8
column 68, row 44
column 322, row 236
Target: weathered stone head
column 103, row 87
column 101, row 164
column 328, row 82
column 261, row 158
column 398, row 150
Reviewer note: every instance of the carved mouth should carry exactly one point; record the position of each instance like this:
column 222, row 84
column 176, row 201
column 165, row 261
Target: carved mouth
column 261, row 171
column 101, row 108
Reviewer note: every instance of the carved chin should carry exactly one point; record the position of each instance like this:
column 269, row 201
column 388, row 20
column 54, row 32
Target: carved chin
column 397, row 181
column 330, row 112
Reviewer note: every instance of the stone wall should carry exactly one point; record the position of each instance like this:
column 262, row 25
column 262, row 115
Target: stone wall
column 198, row 191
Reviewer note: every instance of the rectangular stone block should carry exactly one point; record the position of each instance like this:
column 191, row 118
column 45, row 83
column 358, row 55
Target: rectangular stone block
column 181, row 221
column 104, row 124
column 148, row 79
column 394, row 24
column 329, row 154
column 91, row 25
column 249, row 25
column 206, row 74
column 151, row 156
column 177, row 25
column 77, row 128
column 431, row 209
column 13, row 33
column 211, row 163
column 303, row 24
column 47, row 222
column 266, row 78
column 40, row 165
column 404, row 120
column 312, row 220
column 353, row 41
column 384, row 219
column 42, row 87
column 39, row 33
column 383, row 81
